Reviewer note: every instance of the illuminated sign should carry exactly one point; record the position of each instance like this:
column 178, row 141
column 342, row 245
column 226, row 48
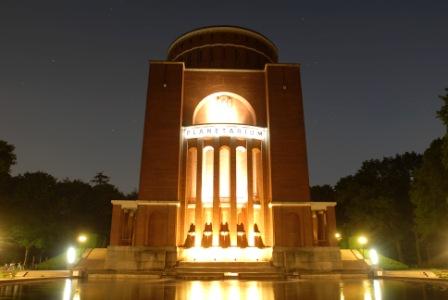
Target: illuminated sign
column 217, row 130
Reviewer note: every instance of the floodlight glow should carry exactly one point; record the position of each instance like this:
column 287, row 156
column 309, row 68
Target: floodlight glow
column 71, row 255
column 338, row 236
column 211, row 254
column 374, row 258
column 362, row 240
column 67, row 290
column 82, row 238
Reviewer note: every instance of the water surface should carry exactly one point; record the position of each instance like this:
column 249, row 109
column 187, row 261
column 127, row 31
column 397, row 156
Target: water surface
column 138, row 289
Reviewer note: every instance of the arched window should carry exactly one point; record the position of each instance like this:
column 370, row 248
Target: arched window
column 241, row 175
column 207, row 175
column 224, row 107
column 192, row 159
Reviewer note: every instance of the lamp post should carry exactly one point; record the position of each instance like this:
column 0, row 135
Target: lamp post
column 338, row 236
column 71, row 255
column 362, row 240
column 82, row 238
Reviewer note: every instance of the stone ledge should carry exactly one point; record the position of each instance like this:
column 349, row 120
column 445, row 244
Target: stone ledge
column 321, row 259
column 139, row 258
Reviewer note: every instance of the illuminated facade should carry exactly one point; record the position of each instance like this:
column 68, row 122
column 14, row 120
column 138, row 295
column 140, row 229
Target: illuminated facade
column 224, row 173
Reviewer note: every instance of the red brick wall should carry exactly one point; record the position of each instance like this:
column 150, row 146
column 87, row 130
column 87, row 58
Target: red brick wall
column 161, row 142
column 199, row 84
column 288, row 158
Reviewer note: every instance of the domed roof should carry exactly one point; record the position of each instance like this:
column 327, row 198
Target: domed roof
column 223, row 47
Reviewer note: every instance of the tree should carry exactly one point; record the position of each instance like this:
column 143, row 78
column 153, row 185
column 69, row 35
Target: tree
column 28, row 235
column 376, row 200
column 33, row 211
column 324, row 193
column 7, row 157
column 132, row 195
column 101, row 207
column 442, row 114
column 429, row 194
column 100, row 179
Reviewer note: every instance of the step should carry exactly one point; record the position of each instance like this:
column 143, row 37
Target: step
column 199, row 275
column 229, row 270
column 184, row 264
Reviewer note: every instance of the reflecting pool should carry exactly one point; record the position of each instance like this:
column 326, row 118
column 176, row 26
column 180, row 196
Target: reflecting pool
column 74, row 289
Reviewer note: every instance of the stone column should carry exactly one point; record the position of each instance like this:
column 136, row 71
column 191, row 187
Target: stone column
column 198, row 209
column 261, row 194
column 266, row 198
column 321, row 227
column 233, row 208
column 331, row 226
column 115, row 230
column 216, row 209
column 250, row 196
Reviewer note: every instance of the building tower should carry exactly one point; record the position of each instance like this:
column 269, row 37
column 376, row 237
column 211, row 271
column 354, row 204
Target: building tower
column 224, row 164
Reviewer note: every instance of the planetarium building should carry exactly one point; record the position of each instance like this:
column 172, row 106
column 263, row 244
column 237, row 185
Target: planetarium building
column 224, row 175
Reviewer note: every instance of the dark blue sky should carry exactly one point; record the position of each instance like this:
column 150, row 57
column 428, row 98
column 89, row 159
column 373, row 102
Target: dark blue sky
column 73, row 77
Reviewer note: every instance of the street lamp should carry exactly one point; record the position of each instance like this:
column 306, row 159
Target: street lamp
column 338, row 236
column 82, row 238
column 362, row 240
column 374, row 258
column 71, row 255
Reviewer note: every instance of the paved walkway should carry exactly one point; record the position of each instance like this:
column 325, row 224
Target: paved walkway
column 409, row 274
column 35, row 275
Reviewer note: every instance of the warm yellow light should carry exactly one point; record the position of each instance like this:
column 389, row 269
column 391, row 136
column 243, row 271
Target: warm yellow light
column 338, row 236
column 241, row 175
column 224, row 172
column 377, row 290
column 362, row 240
column 67, row 290
column 71, row 255
column 222, row 110
column 197, row 240
column 207, row 175
column 82, row 238
column 211, row 254
column 367, row 290
column 374, row 257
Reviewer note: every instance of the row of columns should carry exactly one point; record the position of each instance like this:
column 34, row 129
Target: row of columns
column 248, row 221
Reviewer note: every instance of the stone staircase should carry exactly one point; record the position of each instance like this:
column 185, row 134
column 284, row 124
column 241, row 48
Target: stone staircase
column 223, row 270
column 353, row 262
column 92, row 259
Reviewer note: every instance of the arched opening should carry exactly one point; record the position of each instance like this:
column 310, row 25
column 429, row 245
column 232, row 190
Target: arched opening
column 241, row 174
column 207, row 176
column 224, row 174
column 224, row 107
column 192, row 158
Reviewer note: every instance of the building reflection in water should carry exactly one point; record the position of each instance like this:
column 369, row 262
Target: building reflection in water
column 365, row 289
column 377, row 289
column 164, row 289
column 222, row 290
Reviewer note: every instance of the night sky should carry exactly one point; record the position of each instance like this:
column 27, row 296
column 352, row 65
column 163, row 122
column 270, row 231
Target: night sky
column 73, row 77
